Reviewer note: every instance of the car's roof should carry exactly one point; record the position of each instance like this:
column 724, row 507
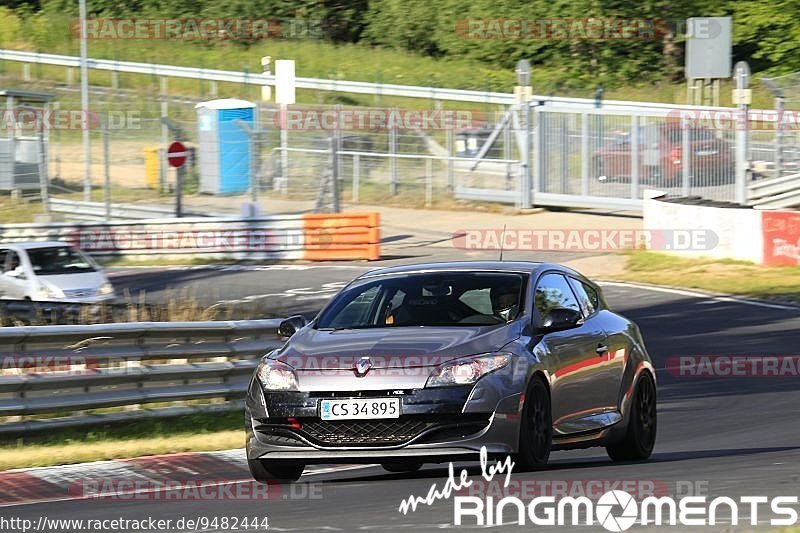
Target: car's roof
column 527, row 267
column 33, row 244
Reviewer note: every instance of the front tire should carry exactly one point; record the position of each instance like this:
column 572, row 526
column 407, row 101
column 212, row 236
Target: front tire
column 536, row 429
column 640, row 437
column 265, row 471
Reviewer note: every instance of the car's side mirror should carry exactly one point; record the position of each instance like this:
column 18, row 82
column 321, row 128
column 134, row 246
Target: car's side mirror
column 288, row 327
column 19, row 274
column 561, row 318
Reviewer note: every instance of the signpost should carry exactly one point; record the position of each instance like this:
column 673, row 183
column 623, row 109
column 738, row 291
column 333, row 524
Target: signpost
column 708, row 57
column 742, row 96
column 176, row 155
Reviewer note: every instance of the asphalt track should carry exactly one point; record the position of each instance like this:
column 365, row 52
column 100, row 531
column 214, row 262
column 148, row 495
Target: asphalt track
column 717, row 437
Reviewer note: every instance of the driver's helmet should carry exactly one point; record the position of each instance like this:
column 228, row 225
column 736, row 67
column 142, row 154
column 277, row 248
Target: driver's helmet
column 505, row 301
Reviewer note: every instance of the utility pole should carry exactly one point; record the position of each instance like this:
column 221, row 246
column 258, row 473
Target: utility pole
column 87, row 151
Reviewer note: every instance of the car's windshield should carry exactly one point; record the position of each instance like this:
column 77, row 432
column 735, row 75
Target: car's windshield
column 429, row 299
column 58, row 260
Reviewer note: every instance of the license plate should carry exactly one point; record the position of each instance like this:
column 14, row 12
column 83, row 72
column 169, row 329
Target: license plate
column 359, row 408
column 707, row 152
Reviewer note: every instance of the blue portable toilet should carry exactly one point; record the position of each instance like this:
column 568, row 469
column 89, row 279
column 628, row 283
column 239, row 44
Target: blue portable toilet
column 224, row 153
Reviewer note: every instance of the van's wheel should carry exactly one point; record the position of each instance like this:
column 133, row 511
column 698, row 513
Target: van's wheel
column 640, row 437
column 536, row 429
column 266, row 471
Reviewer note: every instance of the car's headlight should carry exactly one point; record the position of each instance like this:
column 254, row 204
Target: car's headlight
column 275, row 375
column 106, row 288
column 467, row 370
column 46, row 291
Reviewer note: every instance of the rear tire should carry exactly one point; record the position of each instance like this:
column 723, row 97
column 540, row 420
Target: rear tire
column 265, row 471
column 536, row 429
column 401, row 467
column 640, row 437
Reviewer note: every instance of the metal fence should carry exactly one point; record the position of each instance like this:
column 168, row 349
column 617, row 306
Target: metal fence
column 603, row 158
column 620, row 154
column 64, row 376
column 557, row 152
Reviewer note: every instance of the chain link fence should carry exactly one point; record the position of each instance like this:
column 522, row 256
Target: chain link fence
column 434, row 157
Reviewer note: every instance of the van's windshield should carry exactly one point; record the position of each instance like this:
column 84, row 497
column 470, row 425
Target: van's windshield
column 58, row 260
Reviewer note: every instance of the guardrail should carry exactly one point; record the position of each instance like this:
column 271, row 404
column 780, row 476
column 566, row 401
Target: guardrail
column 91, row 211
column 344, row 86
column 313, row 237
column 69, row 370
column 775, row 193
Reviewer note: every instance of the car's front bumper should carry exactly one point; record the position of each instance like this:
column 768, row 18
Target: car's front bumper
column 436, row 424
column 88, row 300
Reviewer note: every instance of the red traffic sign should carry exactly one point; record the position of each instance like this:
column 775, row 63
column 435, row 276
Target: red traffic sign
column 176, row 154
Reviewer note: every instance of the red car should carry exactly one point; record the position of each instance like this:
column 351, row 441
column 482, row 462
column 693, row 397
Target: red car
column 661, row 154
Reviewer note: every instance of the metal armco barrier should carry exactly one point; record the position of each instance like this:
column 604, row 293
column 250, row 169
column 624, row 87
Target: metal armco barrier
column 76, row 210
column 776, row 193
column 345, row 86
column 313, row 237
column 57, row 370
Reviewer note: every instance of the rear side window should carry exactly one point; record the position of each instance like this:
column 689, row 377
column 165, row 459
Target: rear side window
column 587, row 296
column 553, row 291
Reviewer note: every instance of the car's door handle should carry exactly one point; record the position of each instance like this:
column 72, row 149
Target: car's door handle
column 601, row 349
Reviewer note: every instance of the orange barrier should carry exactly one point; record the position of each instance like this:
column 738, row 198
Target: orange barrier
column 338, row 237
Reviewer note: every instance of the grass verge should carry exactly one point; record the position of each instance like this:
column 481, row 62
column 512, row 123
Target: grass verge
column 198, row 432
column 22, row 211
column 740, row 278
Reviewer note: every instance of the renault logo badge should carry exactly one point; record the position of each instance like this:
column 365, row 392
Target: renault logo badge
column 362, row 366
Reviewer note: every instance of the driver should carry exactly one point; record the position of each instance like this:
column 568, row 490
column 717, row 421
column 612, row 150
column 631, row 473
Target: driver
column 14, row 266
column 505, row 302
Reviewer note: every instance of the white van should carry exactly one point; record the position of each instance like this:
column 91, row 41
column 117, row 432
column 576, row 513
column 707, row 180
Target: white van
column 51, row 272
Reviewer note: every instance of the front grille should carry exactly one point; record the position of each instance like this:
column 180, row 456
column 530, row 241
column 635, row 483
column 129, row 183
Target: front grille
column 80, row 293
column 388, row 432
column 366, row 432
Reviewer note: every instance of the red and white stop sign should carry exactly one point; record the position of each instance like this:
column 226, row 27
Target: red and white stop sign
column 176, row 154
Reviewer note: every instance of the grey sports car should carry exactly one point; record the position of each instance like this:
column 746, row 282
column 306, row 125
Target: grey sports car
column 432, row 362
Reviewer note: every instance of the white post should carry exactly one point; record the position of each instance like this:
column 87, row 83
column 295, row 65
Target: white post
column 356, row 177
column 428, row 181
column 164, row 166
column 586, row 168
column 284, row 151
column 742, row 125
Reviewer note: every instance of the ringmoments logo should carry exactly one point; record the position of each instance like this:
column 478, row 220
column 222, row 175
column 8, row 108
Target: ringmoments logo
column 615, row 510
